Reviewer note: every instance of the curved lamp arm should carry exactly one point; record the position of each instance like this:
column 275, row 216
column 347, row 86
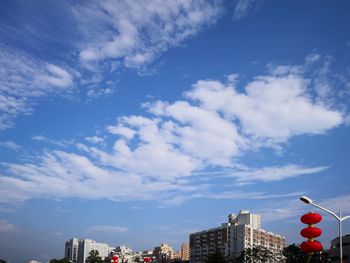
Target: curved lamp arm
column 345, row 217
column 328, row 211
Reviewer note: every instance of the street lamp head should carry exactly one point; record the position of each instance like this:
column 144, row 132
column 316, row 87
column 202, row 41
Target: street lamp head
column 306, row 199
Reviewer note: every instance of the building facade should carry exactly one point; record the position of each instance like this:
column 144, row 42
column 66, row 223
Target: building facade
column 163, row 253
column 185, row 251
column 71, row 249
column 87, row 245
column 78, row 250
column 125, row 253
column 230, row 239
column 334, row 250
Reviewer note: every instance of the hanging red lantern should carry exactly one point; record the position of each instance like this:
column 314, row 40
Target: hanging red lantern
column 311, row 218
column 311, row 232
column 311, row 246
column 115, row 259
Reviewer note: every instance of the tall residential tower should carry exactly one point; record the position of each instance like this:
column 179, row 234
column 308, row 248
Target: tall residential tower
column 242, row 231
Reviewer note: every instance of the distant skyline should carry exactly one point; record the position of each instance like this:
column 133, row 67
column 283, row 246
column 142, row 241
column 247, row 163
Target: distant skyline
column 134, row 122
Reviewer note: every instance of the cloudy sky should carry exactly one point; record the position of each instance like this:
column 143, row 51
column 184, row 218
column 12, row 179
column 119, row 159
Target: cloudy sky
column 139, row 122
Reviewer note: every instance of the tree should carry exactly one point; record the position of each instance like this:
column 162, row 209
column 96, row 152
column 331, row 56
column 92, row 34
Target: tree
column 217, row 257
column 94, row 257
column 258, row 255
column 294, row 254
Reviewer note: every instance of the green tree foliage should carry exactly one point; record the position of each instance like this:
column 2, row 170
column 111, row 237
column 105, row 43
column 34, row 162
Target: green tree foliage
column 258, row 255
column 94, row 257
column 294, row 254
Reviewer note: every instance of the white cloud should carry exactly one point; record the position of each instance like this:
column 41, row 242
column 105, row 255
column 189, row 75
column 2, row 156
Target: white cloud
column 107, row 229
column 161, row 156
column 24, row 80
column 293, row 209
column 6, row 226
column 226, row 195
column 274, row 173
column 100, row 92
column 94, row 139
column 123, row 33
column 39, row 138
column 283, row 210
column 337, row 203
column 60, row 174
column 243, row 7
column 201, row 133
column 136, row 33
column 10, row 145
column 272, row 108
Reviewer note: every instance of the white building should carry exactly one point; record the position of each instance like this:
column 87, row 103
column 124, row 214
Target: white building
column 71, row 249
column 242, row 231
column 78, row 250
column 125, row 253
column 87, row 245
column 245, row 218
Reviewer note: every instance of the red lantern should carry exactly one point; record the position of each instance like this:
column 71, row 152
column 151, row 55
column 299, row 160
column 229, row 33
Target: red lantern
column 311, row 232
column 311, row 218
column 311, row 246
column 115, row 259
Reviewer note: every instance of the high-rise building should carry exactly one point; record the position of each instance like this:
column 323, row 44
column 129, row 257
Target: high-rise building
column 87, row 245
column 71, row 249
column 335, row 247
column 185, row 251
column 78, row 250
column 245, row 218
column 242, row 231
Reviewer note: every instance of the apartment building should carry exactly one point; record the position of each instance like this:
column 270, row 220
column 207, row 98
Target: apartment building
column 242, row 231
column 71, row 249
column 185, row 251
column 78, row 250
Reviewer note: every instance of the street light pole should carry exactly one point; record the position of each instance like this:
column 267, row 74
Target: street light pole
column 340, row 219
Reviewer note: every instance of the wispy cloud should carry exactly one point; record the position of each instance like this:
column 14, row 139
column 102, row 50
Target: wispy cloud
column 107, row 229
column 243, row 7
column 135, row 34
column 337, row 203
column 10, row 145
column 24, row 80
column 274, row 173
column 292, row 209
column 122, row 35
column 6, row 226
column 94, row 139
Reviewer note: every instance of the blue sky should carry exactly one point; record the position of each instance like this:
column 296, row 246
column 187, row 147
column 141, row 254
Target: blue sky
column 134, row 123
